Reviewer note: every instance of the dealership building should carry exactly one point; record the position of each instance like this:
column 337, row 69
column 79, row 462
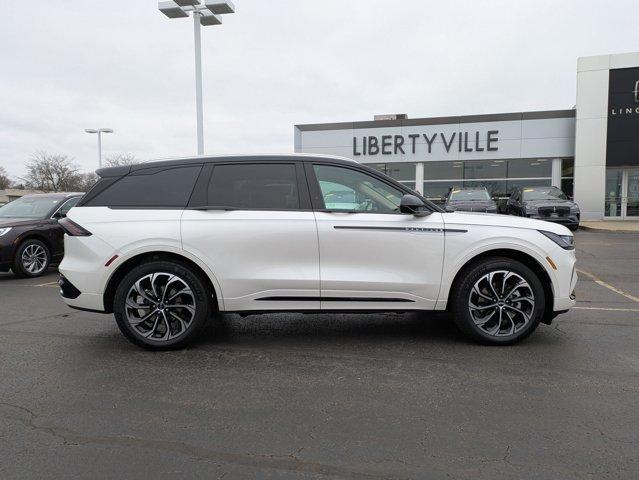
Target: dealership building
column 591, row 152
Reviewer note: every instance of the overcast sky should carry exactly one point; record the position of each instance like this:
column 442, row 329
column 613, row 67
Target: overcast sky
column 70, row 65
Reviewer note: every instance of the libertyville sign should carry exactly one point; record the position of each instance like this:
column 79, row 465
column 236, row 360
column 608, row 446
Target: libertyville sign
column 473, row 141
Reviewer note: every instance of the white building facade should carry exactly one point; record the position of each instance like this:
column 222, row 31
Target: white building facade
column 591, row 152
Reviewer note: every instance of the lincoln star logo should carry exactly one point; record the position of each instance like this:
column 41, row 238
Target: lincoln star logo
column 636, row 91
column 554, row 209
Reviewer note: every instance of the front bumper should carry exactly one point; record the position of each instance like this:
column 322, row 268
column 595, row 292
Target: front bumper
column 6, row 257
column 569, row 221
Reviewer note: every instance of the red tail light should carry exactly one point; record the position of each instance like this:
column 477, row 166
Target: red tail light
column 73, row 229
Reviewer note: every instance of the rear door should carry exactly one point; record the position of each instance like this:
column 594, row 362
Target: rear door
column 252, row 223
column 371, row 255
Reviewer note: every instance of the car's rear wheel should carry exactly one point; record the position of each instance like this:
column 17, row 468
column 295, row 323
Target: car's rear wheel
column 32, row 259
column 162, row 305
column 498, row 301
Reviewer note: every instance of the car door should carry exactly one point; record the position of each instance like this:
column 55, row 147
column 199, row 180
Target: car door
column 253, row 225
column 371, row 255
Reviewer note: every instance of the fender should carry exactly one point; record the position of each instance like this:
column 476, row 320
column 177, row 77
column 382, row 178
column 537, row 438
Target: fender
column 124, row 257
column 486, row 245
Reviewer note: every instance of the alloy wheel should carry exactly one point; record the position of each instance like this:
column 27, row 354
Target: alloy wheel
column 160, row 306
column 501, row 303
column 34, row 259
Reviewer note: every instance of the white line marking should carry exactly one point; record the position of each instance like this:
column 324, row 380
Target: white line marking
column 608, row 309
column 608, row 286
column 46, row 284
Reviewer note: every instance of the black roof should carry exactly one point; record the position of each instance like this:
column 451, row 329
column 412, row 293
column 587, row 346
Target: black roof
column 199, row 160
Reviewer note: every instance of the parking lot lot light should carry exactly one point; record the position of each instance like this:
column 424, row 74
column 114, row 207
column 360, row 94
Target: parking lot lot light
column 99, row 131
column 203, row 14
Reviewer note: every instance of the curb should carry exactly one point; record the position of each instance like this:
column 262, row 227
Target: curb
column 605, row 230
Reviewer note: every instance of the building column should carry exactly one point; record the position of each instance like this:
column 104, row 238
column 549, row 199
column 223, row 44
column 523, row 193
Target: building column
column 419, row 177
column 556, row 172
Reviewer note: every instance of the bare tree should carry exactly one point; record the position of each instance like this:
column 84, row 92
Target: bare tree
column 120, row 160
column 52, row 173
column 5, row 181
column 86, row 181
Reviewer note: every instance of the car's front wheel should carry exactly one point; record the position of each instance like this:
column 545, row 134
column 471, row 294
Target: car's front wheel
column 498, row 301
column 32, row 259
column 162, row 305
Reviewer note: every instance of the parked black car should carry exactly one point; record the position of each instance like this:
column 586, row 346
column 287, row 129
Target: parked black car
column 544, row 203
column 30, row 238
column 469, row 199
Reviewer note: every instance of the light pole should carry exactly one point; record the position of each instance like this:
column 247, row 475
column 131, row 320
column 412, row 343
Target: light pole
column 205, row 12
column 99, row 131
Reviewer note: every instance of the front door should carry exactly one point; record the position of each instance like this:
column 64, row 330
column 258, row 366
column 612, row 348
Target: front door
column 371, row 255
column 622, row 193
column 632, row 193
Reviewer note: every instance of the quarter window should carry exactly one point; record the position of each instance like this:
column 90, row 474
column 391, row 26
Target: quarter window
column 169, row 188
column 254, row 187
column 353, row 191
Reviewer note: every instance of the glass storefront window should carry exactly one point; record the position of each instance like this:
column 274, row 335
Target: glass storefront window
column 437, row 191
column 536, row 168
column 567, row 186
column 443, row 170
column 478, row 169
column 496, row 188
column 568, row 167
column 528, row 183
column 398, row 171
column 614, row 180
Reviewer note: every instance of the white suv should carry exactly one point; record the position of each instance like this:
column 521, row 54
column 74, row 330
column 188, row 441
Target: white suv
column 167, row 245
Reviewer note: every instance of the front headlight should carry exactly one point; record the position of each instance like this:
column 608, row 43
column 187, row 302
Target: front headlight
column 567, row 242
column 4, row 230
column 532, row 210
column 574, row 209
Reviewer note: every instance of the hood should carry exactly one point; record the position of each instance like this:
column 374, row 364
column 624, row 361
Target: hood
column 17, row 222
column 496, row 220
column 549, row 203
column 470, row 206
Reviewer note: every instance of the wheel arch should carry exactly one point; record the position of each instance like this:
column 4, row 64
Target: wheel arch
column 132, row 262
column 522, row 257
column 33, row 235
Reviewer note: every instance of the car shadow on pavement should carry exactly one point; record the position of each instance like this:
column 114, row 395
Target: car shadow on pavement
column 317, row 328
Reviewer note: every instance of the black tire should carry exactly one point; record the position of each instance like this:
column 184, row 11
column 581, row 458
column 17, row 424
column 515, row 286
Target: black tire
column 199, row 295
column 24, row 270
column 461, row 299
column 573, row 228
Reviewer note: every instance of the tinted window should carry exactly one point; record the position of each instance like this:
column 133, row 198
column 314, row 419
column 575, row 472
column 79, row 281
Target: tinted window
column 351, row 190
column 254, row 186
column 165, row 188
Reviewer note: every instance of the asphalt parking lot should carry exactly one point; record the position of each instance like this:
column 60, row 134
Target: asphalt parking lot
column 327, row 396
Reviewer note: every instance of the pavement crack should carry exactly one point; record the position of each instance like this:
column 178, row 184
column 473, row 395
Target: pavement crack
column 289, row 462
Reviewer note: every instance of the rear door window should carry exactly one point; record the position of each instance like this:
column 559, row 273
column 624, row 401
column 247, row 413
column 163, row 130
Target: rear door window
column 251, row 186
column 152, row 188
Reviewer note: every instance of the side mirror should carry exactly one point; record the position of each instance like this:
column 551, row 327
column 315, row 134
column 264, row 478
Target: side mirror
column 59, row 215
column 412, row 205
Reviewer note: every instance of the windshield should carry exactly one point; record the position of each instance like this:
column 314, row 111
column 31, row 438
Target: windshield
column 544, row 193
column 469, row 195
column 29, row 207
